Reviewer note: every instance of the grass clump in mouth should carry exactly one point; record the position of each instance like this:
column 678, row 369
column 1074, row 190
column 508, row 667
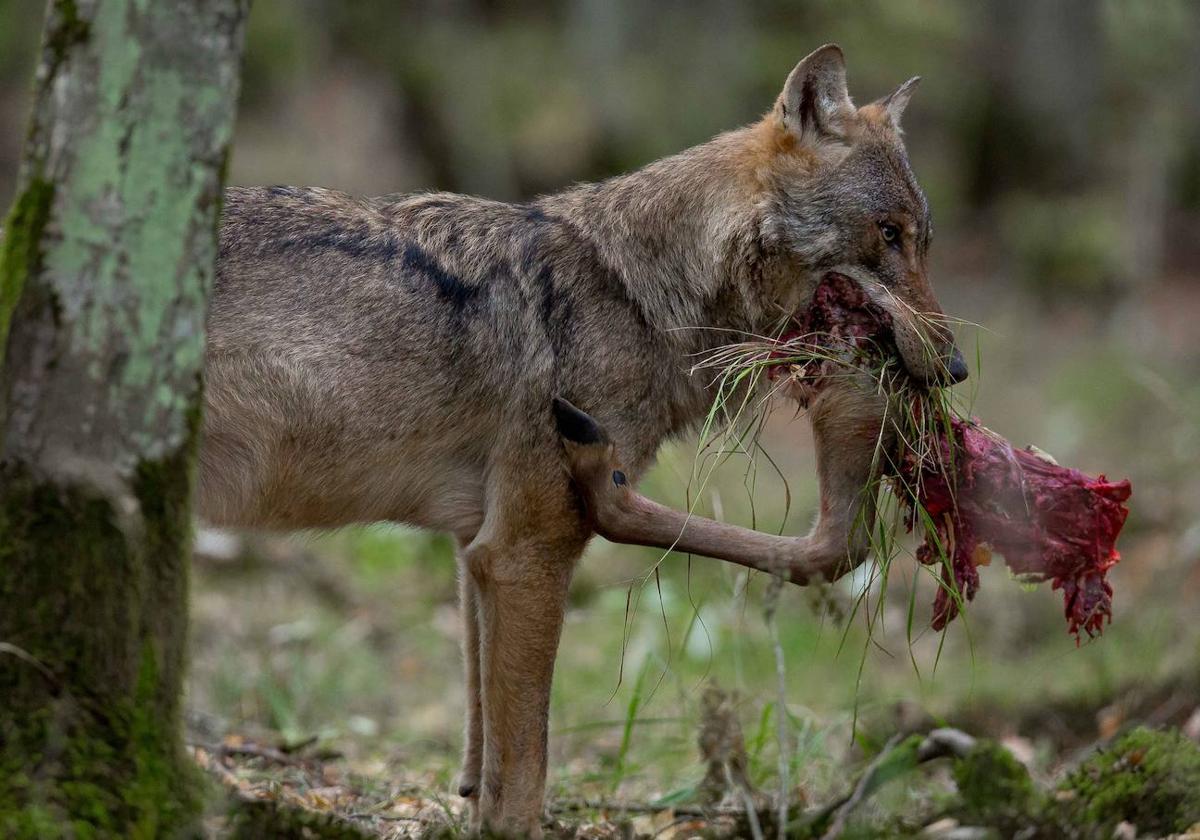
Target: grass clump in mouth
column 961, row 488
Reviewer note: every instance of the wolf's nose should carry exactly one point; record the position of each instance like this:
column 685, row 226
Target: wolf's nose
column 956, row 368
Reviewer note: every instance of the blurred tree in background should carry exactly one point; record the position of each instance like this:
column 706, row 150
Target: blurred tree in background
column 1064, row 137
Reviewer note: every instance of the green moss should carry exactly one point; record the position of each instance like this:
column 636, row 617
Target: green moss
column 93, row 749
column 1147, row 777
column 20, row 251
column 54, row 742
column 879, row 829
column 66, row 28
column 161, row 773
column 992, row 785
column 252, row 820
column 75, row 771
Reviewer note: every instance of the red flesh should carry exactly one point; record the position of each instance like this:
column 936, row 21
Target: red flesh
column 840, row 317
column 1049, row 522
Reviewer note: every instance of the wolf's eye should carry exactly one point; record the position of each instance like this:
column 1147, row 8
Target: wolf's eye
column 891, row 233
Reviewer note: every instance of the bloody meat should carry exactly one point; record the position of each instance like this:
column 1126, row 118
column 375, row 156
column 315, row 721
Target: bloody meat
column 980, row 493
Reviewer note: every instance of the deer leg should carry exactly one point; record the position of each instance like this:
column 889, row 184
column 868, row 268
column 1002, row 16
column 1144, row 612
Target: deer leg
column 850, row 433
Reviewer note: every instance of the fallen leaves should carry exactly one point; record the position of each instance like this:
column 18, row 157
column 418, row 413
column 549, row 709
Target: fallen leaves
column 251, row 772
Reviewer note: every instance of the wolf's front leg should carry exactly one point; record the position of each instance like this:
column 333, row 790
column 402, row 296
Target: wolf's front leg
column 520, row 566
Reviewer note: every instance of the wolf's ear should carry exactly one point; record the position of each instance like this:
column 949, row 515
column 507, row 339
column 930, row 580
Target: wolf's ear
column 896, row 101
column 815, row 102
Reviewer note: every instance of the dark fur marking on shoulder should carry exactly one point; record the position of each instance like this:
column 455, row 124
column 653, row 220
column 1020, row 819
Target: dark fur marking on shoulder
column 304, row 194
column 535, row 214
column 531, row 252
column 545, row 279
column 610, row 283
column 575, row 425
column 450, row 287
column 360, row 244
column 537, row 267
column 555, row 309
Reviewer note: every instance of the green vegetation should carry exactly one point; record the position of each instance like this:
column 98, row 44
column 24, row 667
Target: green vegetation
column 81, row 739
column 993, row 788
column 1146, row 777
column 20, row 249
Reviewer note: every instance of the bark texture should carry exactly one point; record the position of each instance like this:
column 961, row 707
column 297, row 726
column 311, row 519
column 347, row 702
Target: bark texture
column 105, row 268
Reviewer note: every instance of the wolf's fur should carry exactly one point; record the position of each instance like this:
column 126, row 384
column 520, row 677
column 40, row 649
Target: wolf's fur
column 396, row 358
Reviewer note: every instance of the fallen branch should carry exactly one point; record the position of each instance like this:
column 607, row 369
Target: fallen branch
column 33, row 662
column 252, row 815
column 861, row 791
column 945, row 741
column 572, row 806
column 937, row 744
column 250, row 750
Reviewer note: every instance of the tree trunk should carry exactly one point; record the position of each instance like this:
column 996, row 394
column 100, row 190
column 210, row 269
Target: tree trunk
column 1034, row 126
column 105, row 268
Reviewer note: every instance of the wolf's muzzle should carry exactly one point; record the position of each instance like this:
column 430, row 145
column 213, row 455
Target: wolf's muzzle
column 956, row 368
column 940, row 371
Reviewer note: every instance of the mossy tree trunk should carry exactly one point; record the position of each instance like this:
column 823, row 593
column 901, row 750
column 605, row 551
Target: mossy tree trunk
column 105, row 268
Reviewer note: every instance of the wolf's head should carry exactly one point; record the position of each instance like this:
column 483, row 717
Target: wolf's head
column 836, row 193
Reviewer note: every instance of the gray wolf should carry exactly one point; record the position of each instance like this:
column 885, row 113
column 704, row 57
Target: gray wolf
column 397, row 359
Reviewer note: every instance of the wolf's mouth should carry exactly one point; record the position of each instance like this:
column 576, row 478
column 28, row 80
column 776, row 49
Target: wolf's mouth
column 844, row 315
column 841, row 309
column 840, row 325
column 841, row 328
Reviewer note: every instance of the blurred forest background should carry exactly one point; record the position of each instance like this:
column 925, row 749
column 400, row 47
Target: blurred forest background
column 1059, row 144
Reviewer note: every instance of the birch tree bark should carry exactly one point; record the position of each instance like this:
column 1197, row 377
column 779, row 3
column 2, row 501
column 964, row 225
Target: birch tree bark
column 105, row 267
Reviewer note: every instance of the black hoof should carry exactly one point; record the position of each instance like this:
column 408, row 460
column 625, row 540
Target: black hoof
column 575, row 425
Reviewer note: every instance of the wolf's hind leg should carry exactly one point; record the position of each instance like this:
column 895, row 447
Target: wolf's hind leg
column 472, row 769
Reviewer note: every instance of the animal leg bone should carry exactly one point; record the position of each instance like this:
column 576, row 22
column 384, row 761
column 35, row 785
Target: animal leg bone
column 849, row 427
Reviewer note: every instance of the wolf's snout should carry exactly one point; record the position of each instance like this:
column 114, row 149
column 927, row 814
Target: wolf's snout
column 949, row 368
column 923, row 336
column 956, row 367
column 928, row 352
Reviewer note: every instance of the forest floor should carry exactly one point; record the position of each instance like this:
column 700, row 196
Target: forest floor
column 1140, row 783
column 325, row 708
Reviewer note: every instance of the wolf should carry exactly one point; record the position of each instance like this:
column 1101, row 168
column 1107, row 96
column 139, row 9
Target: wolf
column 413, row 358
